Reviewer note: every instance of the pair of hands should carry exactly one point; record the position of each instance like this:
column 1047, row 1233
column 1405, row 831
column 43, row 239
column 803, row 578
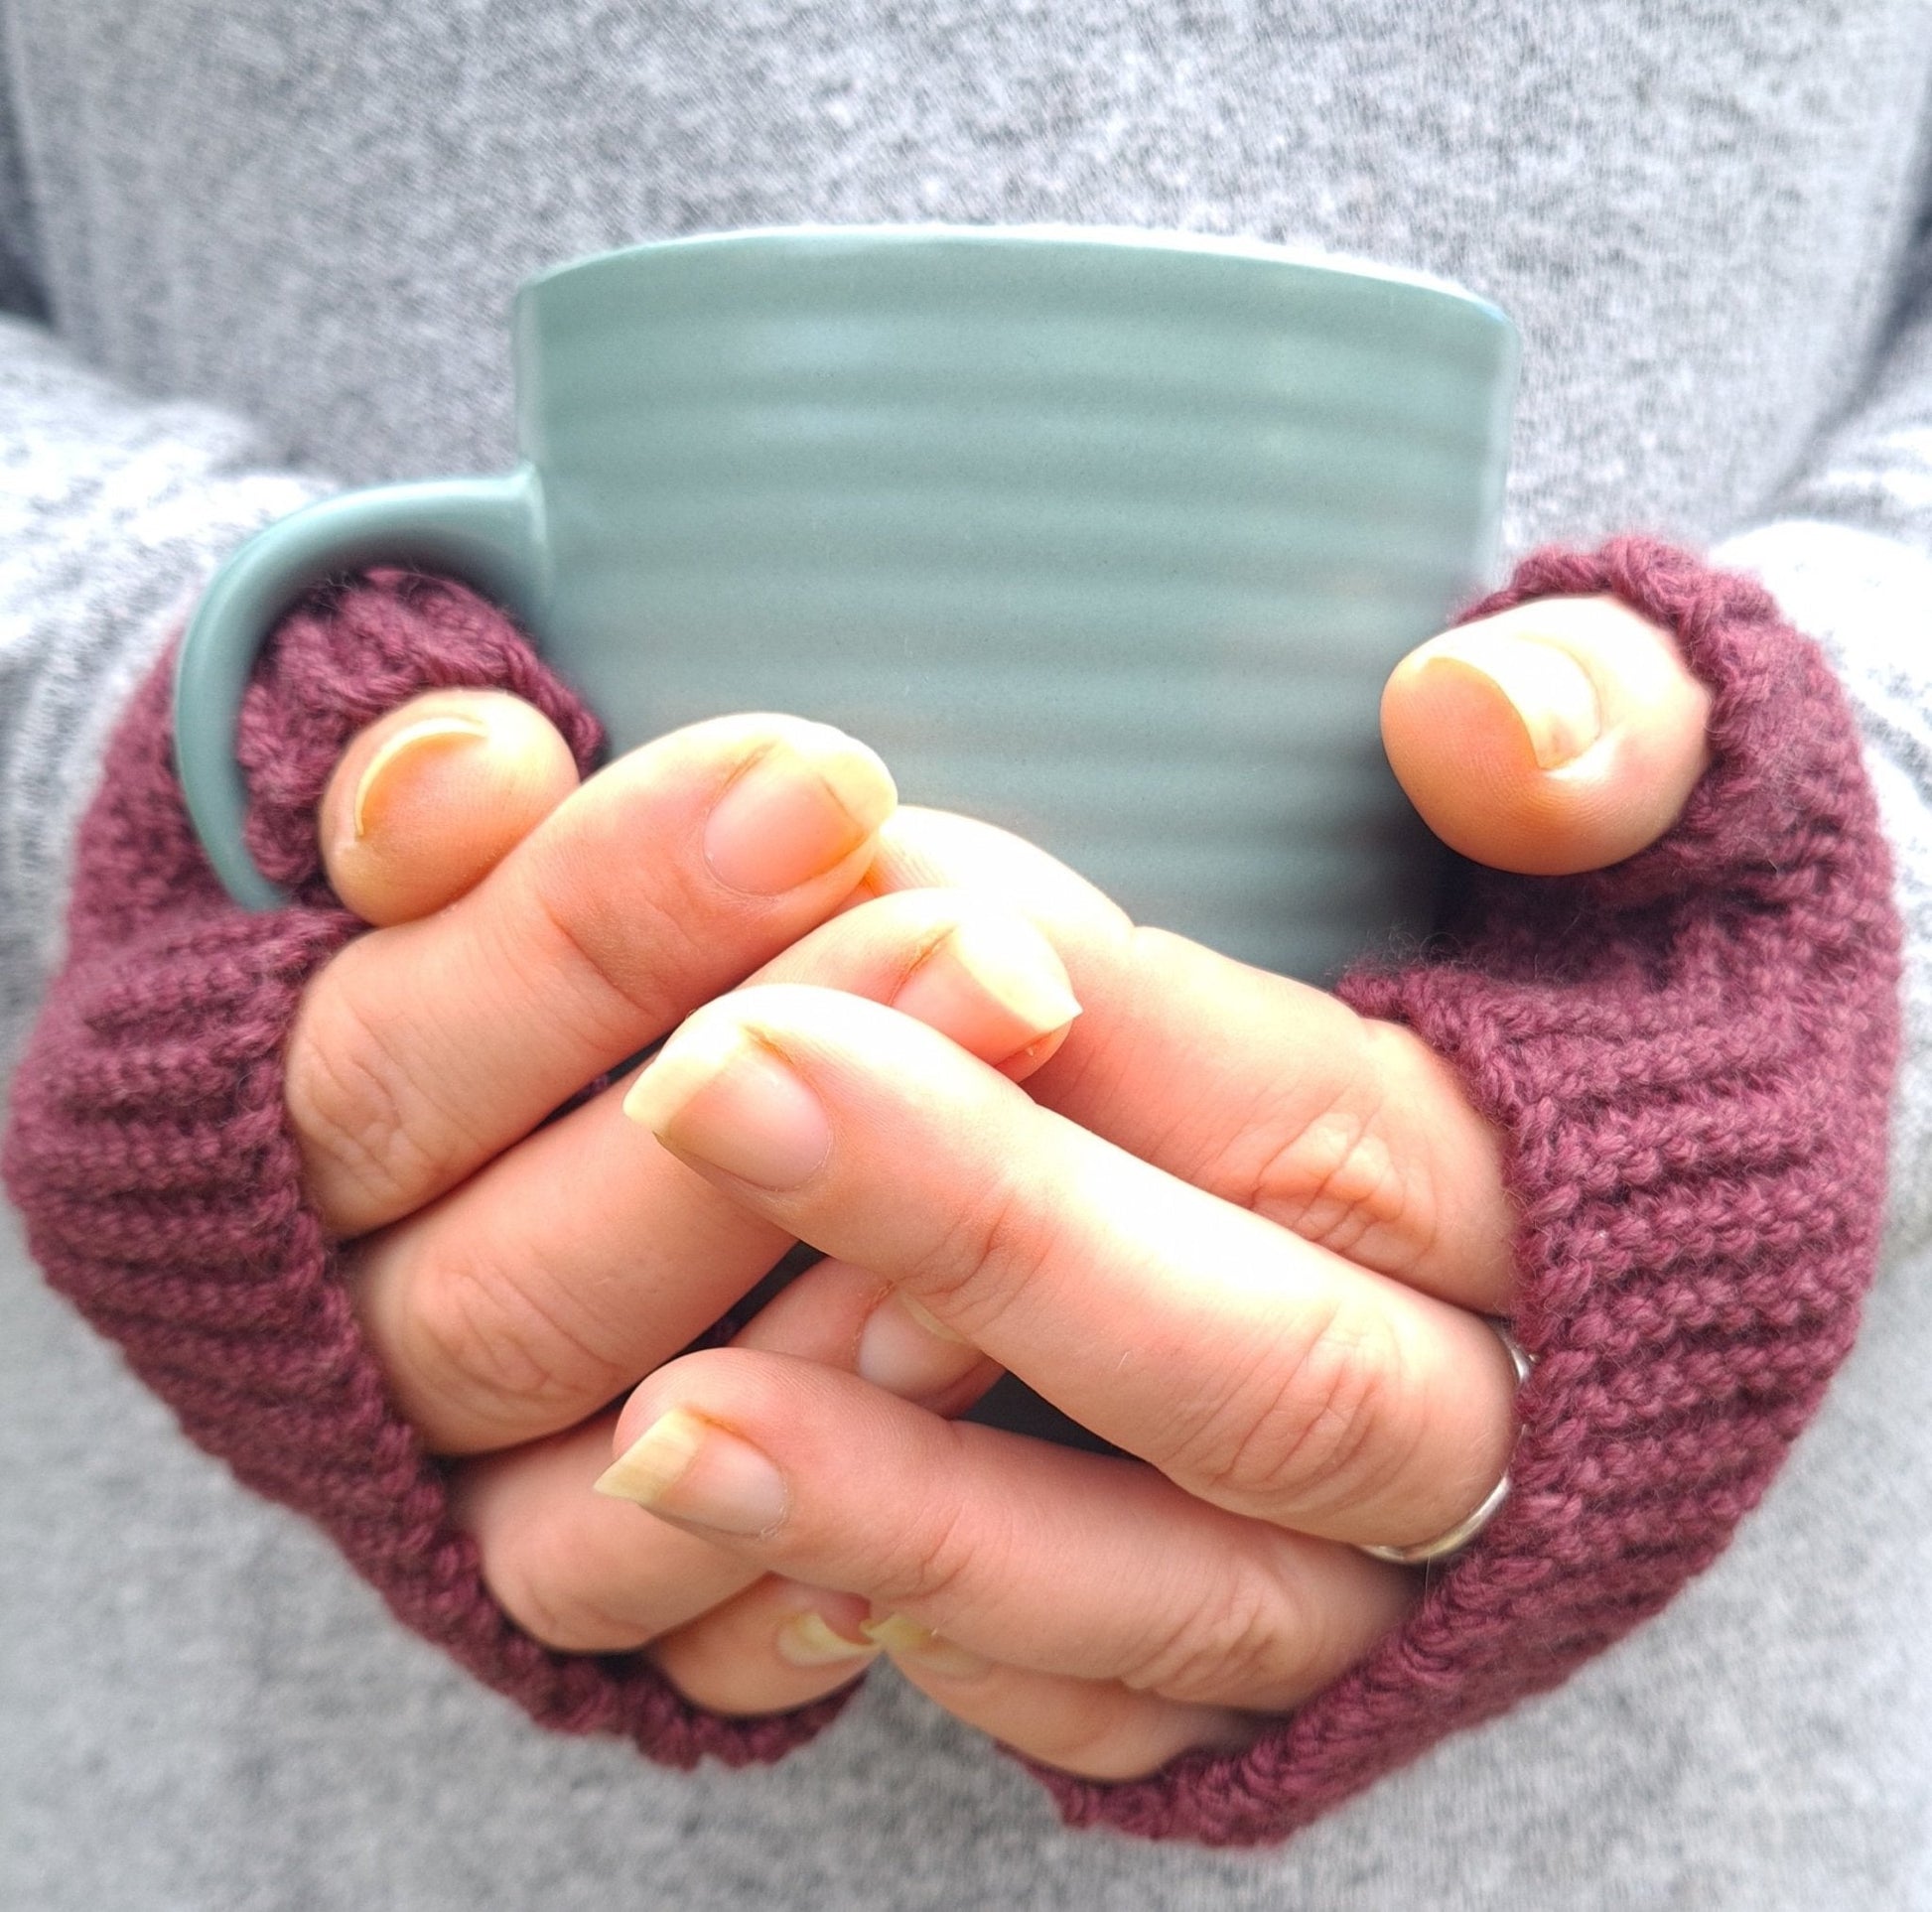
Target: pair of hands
column 1238, row 1230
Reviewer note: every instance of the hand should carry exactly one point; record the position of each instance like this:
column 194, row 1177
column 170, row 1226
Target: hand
column 512, row 1276
column 1117, row 1614
column 472, row 1351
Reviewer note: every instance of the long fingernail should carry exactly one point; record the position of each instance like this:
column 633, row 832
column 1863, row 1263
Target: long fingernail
column 377, row 783
column 1550, row 692
column 714, row 1092
column 995, row 985
column 806, row 804
column 810, row 1640
column 695, row 1471
column 905, row 1351
column 906, row 1639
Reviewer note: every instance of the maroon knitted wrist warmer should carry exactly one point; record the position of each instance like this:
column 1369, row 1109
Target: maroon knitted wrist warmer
column 1661, row 1044
column 1690, row 1057
column 148, row 1150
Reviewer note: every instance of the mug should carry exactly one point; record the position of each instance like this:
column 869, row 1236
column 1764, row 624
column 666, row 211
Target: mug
column 1110, row 537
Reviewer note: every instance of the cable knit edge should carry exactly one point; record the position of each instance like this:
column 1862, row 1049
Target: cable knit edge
column 1688, row 1285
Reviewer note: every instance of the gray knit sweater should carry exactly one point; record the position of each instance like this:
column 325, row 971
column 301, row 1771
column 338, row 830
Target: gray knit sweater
column 254, row 249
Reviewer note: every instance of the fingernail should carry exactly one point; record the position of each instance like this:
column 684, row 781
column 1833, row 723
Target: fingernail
column 995, row 985
column 714, row 1092
column 411, row 743
column 695, row 1471
column 1550, row 692
column 906, row 1639
column 907, row 1353
column 810, row 1640
column 801, row 807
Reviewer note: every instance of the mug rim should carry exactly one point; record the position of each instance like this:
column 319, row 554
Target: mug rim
column 864, row 236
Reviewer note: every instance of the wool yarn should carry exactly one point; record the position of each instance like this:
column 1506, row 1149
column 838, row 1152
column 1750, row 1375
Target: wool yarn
column 149, row 1152
column 1689, row 1057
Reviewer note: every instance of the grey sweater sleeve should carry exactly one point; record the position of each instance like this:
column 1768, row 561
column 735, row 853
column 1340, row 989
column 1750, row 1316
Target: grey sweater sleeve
column 19, row 284
column 113, row 512
column 1847, row 551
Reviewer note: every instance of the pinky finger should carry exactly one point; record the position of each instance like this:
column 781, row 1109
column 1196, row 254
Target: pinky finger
column 1092, row 1729
column 778, row 1645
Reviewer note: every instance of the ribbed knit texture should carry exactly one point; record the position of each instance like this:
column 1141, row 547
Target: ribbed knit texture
column 1688, row 1057
column 151, row 1154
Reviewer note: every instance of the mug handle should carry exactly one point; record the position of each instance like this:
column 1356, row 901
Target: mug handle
column 487, row 532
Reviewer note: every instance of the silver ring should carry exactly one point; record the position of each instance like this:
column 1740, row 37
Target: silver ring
column 1464, row 1531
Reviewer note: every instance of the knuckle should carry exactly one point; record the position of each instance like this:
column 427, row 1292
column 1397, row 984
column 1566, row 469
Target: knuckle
column 939, row 1560
column 494, row 1349
column 1241, row 1642
column 620, row 928
column 1295, row 1432
column 552, row 1613
column 1336, row 1182
column 983, row 1253
column 583, row 966
column 365, row 1134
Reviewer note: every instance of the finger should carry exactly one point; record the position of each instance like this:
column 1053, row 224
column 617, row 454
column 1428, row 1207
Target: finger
column 924, row 849
column 1282, row 1100
column 845, row 1316
column 781, row 1644
column 1560, row 735
column 1093, row 1728
column 776, row 1646
column 575, row 1263
column 424, row 1049
column 429, row 799
column 582, row 1574
column 1036, row 1556
column 1258, row 1371
column 576, row 1570
column 1270, row 1094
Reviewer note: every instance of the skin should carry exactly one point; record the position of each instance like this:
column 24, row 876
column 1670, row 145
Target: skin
column 1243, row 1233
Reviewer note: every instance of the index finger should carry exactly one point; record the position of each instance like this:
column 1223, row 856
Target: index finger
column 1256, row 1370
column 1254, row 1087
column 423, row 1050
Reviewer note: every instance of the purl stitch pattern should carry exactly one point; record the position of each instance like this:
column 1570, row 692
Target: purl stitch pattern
column 1689, row 1057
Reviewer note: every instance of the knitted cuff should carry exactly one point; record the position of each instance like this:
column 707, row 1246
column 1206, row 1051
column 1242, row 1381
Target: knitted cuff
column 1689, row 1057
column 150, row 1155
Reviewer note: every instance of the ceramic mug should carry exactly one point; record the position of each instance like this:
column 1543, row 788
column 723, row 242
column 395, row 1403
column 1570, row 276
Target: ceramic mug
column 1110, row 537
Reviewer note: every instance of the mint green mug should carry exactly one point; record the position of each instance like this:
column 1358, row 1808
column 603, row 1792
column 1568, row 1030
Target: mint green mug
column 1109, row 537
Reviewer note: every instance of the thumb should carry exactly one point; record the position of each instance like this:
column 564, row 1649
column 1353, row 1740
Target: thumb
column 1554, row 737
column 429, row 799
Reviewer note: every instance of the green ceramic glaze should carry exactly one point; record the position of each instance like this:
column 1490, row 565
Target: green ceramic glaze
column 1110, row 537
